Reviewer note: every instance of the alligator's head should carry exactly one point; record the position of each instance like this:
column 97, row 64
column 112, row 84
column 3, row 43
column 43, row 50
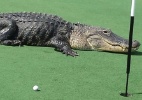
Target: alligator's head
column 85, row 37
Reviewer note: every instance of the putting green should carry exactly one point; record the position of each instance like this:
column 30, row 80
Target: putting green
column 92, row 75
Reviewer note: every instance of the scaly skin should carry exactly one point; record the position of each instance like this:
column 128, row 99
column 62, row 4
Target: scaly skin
column 36, row 29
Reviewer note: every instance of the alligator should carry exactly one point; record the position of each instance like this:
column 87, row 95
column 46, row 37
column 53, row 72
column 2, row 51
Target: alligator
column 39, row 29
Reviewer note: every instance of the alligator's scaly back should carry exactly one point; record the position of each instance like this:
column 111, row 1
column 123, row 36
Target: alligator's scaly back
column 36, row 28
column 49, row 30
column 31, row 17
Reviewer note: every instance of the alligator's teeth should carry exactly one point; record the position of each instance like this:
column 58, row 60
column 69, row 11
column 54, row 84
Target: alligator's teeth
column 123, row 49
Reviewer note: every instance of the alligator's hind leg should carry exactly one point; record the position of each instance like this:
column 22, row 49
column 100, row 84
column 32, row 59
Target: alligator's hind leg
column 8, row 32
column 61, row 45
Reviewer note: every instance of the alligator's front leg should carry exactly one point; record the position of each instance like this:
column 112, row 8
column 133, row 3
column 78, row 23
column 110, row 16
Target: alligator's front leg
column 61, row 45
column 8, row 29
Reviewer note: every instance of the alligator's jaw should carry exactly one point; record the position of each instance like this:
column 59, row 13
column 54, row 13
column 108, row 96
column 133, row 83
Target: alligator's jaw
column 118, row 48
column 115, row 43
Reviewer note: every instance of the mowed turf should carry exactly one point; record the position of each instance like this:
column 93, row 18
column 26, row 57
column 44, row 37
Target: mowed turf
column 92, row 75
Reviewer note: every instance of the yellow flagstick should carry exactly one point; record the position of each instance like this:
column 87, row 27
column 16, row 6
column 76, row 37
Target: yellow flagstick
column 126, row 94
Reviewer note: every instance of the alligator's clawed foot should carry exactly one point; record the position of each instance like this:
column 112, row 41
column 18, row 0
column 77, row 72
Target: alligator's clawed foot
column 69, row 51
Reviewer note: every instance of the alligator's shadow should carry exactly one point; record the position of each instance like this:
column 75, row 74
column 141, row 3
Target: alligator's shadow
column 124, row 94
column 136, row 53
column 137, row 93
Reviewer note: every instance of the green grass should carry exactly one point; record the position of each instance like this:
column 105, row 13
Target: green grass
column 90, row 76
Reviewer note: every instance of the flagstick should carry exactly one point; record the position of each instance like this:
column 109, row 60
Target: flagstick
column 126, row 94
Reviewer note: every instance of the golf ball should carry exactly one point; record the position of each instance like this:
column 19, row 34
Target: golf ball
column 35, row 87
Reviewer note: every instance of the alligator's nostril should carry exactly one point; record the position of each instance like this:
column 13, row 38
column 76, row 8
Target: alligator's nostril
column 135, row 44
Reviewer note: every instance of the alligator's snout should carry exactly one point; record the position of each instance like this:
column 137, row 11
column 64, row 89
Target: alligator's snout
column 135, row 44
column 124, row 44
column 116, row 43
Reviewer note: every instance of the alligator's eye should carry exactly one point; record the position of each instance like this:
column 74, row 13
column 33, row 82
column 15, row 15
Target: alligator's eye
column 106, row 32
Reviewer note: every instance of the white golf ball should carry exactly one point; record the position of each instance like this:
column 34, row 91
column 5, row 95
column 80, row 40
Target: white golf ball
column 35, row 88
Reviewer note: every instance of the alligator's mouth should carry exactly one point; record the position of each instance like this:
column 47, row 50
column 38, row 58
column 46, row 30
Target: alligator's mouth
column 119, row 47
